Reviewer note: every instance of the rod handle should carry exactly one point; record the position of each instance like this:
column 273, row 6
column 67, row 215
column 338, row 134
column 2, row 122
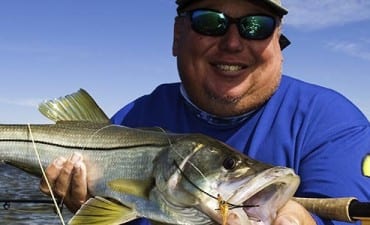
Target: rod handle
column 328, row 208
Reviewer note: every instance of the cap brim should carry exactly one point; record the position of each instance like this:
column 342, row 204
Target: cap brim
column 280, row 10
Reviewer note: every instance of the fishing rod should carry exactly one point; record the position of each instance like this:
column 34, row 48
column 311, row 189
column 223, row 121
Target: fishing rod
column 7, row 202
column 342, row 209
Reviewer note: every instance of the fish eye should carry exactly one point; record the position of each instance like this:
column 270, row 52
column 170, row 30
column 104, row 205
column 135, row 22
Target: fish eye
column 229, row 163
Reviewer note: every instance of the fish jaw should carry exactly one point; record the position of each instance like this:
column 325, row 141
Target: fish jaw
column 263, row 196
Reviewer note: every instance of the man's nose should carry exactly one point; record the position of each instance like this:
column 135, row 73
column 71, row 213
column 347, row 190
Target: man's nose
column 232, row 41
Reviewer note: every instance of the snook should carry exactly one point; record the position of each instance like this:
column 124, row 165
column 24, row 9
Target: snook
column 168, row 178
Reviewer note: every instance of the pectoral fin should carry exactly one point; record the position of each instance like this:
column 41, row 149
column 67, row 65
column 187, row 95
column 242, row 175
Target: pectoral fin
column 100, row 211
column 140, row 188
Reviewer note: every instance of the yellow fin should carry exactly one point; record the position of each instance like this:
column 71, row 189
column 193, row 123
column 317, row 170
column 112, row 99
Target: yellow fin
column 100, row 211
column 366, row 166
column 140, row 188
column 78, row 106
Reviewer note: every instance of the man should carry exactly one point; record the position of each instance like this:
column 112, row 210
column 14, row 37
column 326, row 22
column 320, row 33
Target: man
column 230, row 64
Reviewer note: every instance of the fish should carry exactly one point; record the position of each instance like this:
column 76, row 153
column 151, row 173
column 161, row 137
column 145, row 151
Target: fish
column 132, row 173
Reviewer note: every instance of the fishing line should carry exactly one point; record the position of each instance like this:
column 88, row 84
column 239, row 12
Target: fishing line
column 95, row 133
column 84, row 145
column 168, row 138
column 232, row 206
column 196, row 168
column 44, row 175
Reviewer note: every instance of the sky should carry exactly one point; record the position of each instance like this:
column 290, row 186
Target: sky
column 118, row 50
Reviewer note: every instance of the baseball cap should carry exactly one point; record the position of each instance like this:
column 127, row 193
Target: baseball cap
column 274, row 4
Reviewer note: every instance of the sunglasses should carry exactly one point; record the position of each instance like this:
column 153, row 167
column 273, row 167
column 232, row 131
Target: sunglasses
column 213, row 23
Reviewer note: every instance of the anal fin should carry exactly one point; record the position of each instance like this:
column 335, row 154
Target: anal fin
column 100, row 211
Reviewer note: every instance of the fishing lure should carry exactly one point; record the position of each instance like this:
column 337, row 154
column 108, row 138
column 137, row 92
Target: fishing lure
column 224, row 209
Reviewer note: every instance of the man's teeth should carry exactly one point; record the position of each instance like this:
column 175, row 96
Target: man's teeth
column 231, row 68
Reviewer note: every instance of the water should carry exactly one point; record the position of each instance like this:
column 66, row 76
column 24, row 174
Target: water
column 16, row 184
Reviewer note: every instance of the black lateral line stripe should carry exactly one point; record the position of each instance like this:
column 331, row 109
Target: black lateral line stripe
column 74, row 147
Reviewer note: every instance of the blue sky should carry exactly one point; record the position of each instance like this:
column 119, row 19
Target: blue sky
column 118, row 50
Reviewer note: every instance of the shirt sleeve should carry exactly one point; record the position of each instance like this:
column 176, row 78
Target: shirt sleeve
column 336, row 142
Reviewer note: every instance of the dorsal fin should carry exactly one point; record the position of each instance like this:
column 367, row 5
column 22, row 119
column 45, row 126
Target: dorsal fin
column 78, row 106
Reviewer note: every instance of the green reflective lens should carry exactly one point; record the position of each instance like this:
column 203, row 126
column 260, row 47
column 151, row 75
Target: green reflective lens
column 256, row 27
column 209, row 22
column 213, row 23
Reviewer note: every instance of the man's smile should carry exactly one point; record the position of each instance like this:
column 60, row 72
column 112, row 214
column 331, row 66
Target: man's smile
column 229, row 67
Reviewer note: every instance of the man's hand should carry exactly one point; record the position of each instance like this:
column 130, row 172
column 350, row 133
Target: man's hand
column 68, row 181
column 293, row 214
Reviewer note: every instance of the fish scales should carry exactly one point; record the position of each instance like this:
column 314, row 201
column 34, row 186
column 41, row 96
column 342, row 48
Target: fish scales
column 94, row 141
column 84, row 135
column 133, row 173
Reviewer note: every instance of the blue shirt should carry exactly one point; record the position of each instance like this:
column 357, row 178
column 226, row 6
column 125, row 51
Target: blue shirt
column 314, row 130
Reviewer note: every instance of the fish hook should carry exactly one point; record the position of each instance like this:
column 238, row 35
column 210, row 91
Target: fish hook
column 218, row 198
column 224, row 209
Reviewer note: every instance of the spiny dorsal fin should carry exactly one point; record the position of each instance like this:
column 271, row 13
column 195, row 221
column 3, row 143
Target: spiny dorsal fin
column 100, row 211
column 78, row 106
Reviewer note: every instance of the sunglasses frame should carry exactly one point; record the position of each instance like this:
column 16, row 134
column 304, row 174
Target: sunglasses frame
column 228, row 21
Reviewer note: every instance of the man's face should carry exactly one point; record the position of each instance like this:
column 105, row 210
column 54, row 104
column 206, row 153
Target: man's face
column 227, row 75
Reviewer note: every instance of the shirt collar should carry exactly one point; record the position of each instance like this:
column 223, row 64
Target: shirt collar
column 210, row 118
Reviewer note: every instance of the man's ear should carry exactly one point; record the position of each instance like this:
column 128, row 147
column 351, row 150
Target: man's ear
column 177, row 31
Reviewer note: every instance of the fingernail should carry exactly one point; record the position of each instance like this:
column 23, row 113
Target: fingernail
column 78, row 165
column 76, row 157
column 80, row 170
column 58, row 162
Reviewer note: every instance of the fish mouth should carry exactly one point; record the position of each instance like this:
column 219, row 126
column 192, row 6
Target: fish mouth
column 259, row 199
